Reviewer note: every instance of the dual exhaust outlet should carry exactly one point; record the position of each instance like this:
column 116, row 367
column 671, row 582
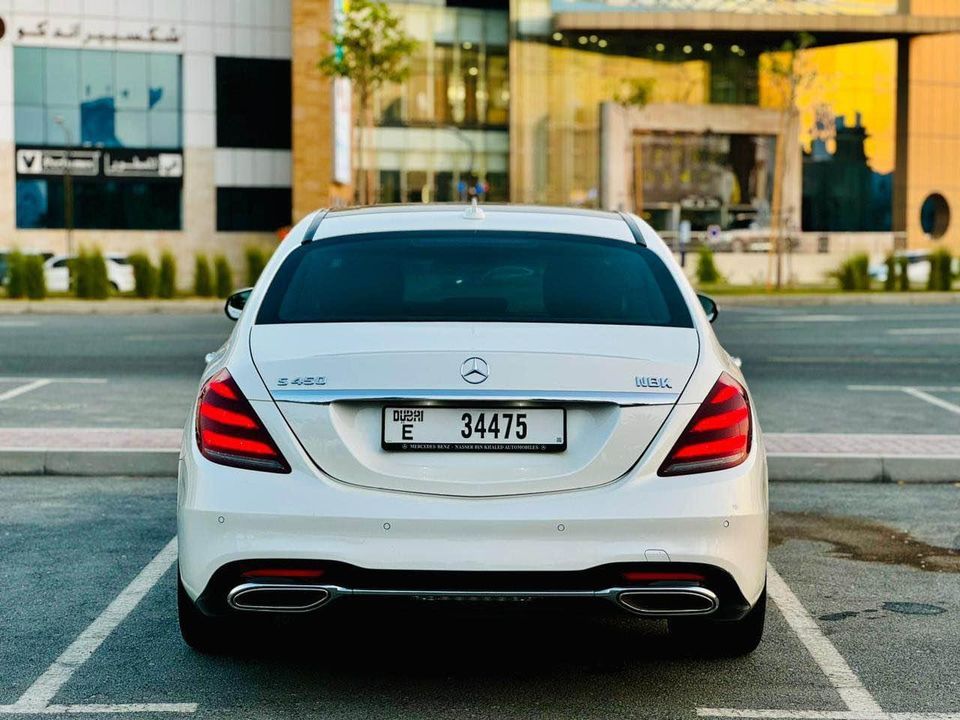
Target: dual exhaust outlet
column 659, row 601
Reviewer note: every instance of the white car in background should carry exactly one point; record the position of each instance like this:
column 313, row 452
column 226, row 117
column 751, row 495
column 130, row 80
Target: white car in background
column 507, row 403
column 56, row 272
column 918, row 266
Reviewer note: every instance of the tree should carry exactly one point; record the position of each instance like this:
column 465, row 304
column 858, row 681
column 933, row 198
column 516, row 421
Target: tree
column 370, row 49
column 789, row 77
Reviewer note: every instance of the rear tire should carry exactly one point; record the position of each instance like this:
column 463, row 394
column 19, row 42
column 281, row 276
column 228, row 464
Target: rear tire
column 207, row 635
column 721, row 638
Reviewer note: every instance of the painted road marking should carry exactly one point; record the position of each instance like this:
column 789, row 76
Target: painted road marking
column 23, row 389
column 37, row 697
column 37, row 383
column 932, row 399
column 828, row 658
column 899, row 388
column 822, row 714
column 861, row 705
column 919, row 392
column 924, row 331
column 81, row 380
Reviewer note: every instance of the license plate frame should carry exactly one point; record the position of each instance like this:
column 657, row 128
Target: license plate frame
column 395, row 444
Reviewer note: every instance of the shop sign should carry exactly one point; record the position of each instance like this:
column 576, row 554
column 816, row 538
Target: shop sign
column 115, row 164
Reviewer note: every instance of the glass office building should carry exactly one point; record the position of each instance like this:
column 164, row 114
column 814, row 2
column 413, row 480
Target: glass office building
column 72, row 98
column 444, row 133
column 694, row 56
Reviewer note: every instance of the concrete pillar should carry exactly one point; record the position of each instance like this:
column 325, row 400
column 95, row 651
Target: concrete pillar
column 901, row 137
column 313, row 185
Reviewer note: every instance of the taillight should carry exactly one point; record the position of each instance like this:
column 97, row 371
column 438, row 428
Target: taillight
column 718, row 436
column 229, row 431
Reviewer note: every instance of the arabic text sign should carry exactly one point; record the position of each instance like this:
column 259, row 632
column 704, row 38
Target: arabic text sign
column 767, row 7
column 115, row 164
column 35, row 161
column 57, row 32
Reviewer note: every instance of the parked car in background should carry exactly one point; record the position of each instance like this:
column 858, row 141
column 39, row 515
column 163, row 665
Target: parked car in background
column 5, row 262
column 56, row 271
column 918, row 266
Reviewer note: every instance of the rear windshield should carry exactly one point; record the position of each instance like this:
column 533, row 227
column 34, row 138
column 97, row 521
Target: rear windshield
column 474, row 276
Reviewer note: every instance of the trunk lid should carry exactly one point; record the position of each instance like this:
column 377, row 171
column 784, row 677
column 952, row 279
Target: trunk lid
column 617, row 385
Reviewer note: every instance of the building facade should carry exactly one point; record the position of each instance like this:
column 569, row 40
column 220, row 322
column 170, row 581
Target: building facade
column 205, row 125
column 146, row 125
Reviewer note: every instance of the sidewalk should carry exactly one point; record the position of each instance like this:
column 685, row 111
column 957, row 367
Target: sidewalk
column 800, row 457
column 113, row 306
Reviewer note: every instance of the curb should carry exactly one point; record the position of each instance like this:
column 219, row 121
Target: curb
column 862, row 469
column 797, row 468
column 90, row 463
column 836, row 299
column 114, row 306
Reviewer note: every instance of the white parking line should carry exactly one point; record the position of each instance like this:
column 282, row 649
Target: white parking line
column 827, row 657
column 17, row 391
column 932, row 399
column 37, row 697
column 822, row 714
column 924, row 331
column 860, row 703
column 899, row 388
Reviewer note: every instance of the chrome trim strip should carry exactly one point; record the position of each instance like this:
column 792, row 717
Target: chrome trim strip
column 324, row 397
column 614, row 595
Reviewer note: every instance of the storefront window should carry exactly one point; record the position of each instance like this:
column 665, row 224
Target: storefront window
column 99, row 204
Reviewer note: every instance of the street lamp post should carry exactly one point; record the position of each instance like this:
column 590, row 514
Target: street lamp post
column 67, row 185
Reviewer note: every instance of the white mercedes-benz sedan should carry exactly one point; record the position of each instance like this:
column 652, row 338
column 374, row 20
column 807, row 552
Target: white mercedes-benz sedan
column 498, row 403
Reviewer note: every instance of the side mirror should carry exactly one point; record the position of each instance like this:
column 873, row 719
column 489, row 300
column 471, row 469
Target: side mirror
column 236, row 302
column 709, row 307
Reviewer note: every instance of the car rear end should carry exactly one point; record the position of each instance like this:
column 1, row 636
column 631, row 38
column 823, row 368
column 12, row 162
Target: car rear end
column 526, row 405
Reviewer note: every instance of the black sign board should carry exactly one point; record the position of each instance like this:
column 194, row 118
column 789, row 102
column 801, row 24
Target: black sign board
column 105, row 163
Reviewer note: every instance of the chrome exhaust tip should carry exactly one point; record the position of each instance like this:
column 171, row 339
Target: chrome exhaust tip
column 266, row 597
column 669, row 601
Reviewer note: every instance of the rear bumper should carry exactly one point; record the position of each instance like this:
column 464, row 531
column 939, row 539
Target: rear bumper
column 716, row 520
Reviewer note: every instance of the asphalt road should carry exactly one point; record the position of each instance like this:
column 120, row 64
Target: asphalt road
column 840, row 369
column 875, row 565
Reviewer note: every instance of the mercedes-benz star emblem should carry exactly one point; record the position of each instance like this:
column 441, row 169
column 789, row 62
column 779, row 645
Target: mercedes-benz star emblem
column 474, row 370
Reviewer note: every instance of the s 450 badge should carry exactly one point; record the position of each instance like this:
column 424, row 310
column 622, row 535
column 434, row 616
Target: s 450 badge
column 306, row 380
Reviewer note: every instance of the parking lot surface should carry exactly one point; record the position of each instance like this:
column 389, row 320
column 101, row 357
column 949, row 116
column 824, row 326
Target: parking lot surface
column 849, row 369
column 871, row 630
column 863, row 624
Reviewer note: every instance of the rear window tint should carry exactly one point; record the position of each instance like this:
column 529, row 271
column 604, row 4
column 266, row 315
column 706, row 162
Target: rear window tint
column 474, row 276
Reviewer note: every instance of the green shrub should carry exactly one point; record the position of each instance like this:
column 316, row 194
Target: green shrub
column 707, row 272
column 79, row 275
column 16, row 276
column 854, row 273
column 891, row 282
column 144, row 276
column 224, row 278
column 34, row 281
column 256, row 260
column 202, row 280
column 167, row 285
column 903, row 279
column 99, row 282
column 940, row 266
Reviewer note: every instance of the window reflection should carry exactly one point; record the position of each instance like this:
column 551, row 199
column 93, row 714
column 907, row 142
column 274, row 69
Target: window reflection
column 96, row 97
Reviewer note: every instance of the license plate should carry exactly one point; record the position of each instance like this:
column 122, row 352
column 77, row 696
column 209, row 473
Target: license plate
column 488, row 429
